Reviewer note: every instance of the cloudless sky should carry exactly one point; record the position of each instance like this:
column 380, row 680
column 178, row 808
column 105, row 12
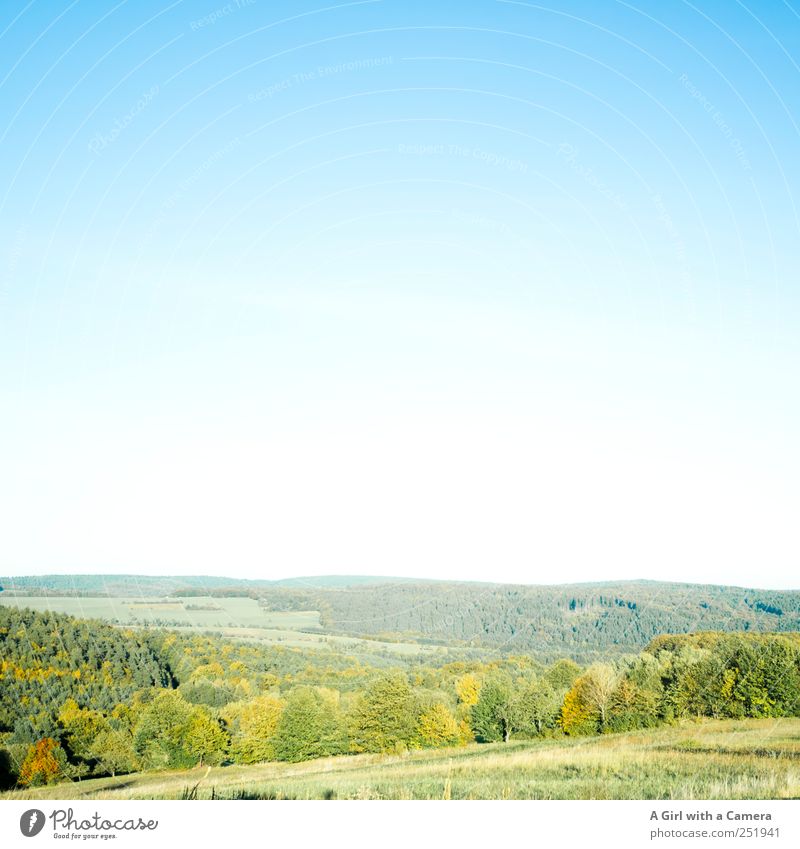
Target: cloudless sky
column 484, row 290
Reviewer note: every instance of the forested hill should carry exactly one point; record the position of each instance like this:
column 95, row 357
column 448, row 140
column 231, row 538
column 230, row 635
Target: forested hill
column 577, row 620
column 559, row 620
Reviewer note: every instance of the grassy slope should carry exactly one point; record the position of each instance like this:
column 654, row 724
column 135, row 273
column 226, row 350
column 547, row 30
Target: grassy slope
column 751, row 759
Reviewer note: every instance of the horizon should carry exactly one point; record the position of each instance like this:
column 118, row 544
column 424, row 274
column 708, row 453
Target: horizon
column 397, row 578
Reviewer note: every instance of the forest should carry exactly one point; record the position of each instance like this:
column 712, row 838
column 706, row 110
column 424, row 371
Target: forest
column 582, row 621
column 81, row 698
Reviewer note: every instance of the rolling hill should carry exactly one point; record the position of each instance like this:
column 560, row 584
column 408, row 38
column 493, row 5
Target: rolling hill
column 558, row 620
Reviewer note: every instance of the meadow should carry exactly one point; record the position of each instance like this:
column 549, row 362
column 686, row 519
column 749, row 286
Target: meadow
column 712, row 759
column 195, row 611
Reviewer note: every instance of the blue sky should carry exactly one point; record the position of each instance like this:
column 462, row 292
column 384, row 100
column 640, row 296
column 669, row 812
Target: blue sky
column 495, row 290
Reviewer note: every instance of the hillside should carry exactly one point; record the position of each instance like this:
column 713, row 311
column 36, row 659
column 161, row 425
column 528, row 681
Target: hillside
column 580, row 620
column 556, row 620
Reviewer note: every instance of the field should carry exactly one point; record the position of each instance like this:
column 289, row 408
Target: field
column 749, row 759
column 237, row 618
column 196, row 611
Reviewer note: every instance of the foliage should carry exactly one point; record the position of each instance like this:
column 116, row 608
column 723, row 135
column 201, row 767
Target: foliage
column 468, row 688
column 577, row 715
column 495, row 714
column 252, row 725
column 385, row 716
column 80, row 699
column 45, row 763
column 171, row 733
column 438, row 727
column 310, row 726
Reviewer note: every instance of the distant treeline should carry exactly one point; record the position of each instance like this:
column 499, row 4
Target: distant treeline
column 81, row 698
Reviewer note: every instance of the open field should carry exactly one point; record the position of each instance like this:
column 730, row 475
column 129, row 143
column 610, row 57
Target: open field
column 195, row 611
column 748, row 759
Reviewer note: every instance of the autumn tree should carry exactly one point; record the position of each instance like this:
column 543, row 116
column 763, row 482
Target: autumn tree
column 577, row 716
column 438, row 727
column 45, row 763
column 468, row 689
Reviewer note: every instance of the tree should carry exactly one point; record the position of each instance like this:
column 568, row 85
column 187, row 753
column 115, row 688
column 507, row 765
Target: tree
column 8, row 775
column 494, row 714
column 598, row 685
column 438, row 727
column 253, row 725
column 46, row 762
column 631, row 707
column 537, row 707
column 385, row 716
column 577, row 716
column 204, row 739
column 114, row 752
column 172, row 733
column 562, row 674
column 467, row 689
column 81, row 728
column 310, row 726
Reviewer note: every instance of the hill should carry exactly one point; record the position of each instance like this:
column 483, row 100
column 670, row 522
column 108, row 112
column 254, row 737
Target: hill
column 154, row 585
column 578, row 620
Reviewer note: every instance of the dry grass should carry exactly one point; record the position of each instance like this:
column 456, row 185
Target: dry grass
column 751, row 759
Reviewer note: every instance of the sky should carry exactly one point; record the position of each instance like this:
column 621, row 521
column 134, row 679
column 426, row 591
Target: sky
column 485, row 291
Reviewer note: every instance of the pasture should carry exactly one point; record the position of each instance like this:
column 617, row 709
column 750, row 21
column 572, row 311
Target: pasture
column 728, row 759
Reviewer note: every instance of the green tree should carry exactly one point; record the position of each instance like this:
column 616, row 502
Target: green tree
column 562, row 674
column 172, row 733
column 205, row 740
column 81, row 728
column 114, row 752
column 310, row 726
column 496, row 711
column 385, row 716
column 537, row 707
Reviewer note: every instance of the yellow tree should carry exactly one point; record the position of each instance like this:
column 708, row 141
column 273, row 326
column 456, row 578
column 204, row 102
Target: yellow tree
column 468, row 689
column 253, row 725
column 438, row 727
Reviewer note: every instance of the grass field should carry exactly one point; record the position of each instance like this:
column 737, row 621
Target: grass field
column 195, row 611
column 750, row 759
